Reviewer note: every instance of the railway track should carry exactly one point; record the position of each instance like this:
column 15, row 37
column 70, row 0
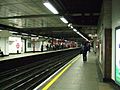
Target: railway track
column 29, row 76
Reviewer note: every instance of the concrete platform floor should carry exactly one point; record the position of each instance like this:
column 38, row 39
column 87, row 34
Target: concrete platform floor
column 81, row 76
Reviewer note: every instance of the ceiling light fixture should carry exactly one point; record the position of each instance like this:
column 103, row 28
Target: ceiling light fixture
column 40, row 36
column 83, row 36
column 50, row 7
column 80, row 34
column 33, row 35
column 24, row 34
column 13, row 32
column 45, row 37
column 95, row 35
column 71, row 27
column 75, row 30
column 69, row 24
column 63, row 19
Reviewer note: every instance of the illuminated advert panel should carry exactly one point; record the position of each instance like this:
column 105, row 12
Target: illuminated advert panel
column 117, row 56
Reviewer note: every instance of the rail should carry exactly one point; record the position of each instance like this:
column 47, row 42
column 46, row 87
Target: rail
column 30, row 75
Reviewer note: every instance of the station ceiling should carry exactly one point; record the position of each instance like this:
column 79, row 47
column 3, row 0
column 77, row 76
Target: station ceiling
column 32, row 17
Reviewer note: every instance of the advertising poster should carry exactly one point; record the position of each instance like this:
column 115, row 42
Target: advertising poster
column 117, row 68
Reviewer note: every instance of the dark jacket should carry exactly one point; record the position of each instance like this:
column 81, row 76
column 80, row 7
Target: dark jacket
column 85, row 49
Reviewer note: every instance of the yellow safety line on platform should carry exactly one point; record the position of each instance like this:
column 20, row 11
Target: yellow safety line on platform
column 55, row 78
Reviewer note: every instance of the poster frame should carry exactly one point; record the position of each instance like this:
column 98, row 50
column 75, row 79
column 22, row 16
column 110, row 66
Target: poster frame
column 116, row 29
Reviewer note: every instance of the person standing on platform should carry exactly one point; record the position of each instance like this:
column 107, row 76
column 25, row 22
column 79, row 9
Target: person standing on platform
column 84, row 51
column 89, row 47
column 42, row 48
column 1, row 52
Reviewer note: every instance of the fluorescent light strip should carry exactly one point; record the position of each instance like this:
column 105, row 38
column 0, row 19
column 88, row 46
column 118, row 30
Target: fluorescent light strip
column 83, row 36
column 33, row 35
column 13, row 32
column 63, row 19
column 71, row 27
column 80, row 34
column 45, row 37
column 40, row 36
column 50, row 7
column 74, row 30
column 24, row 34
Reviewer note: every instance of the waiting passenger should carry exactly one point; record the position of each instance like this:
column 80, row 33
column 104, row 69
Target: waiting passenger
column 1, row 52
column 84, row 51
